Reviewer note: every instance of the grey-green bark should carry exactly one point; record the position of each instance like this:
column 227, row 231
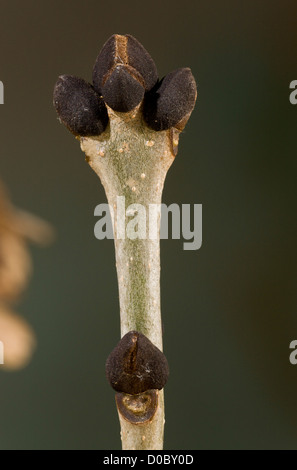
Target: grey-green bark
column 132, row 162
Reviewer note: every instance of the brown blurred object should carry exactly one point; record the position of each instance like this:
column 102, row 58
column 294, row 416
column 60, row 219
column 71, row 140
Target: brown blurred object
column 16, row 228
column 18, row 339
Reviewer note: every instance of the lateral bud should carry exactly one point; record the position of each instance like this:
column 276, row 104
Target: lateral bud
column 171, row 102
column 136, row 365
column 79, row 107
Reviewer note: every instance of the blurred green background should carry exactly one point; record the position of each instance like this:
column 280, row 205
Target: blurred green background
column 229, row 309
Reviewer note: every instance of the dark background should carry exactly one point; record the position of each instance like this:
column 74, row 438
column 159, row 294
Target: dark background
column 230, row 308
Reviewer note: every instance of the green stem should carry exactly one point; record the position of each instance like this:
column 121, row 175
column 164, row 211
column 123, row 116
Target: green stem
column 132, row 162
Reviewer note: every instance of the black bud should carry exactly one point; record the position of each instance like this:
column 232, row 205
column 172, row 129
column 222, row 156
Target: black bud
column 121, row 91
column 171, row 101
column 123, row 55
column 136, row 365
column 140, row 59
column 79, row 107
column 104, row 63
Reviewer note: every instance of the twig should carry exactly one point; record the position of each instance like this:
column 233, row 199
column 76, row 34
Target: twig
column 129, row 126
column 138, row 174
